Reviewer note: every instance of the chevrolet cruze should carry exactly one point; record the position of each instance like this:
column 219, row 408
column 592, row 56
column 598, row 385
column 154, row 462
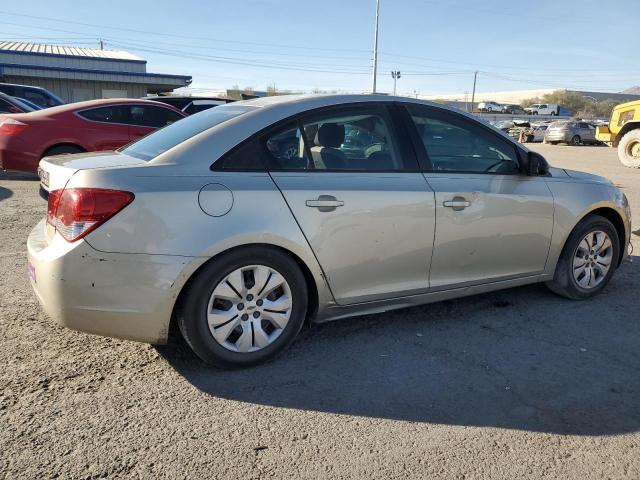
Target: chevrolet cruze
column 376, row 203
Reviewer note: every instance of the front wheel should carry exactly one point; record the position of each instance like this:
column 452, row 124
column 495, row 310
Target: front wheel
column 629, row 149
column 588, row 260
column 244, row 307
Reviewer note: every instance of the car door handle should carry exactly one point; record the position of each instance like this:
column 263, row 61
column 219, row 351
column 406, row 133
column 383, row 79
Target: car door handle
column 458, row 203
column 325, row 203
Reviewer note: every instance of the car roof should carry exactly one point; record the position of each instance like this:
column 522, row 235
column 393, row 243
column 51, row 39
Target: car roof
column 23, row 86
column 73, row 107
column 267, row 111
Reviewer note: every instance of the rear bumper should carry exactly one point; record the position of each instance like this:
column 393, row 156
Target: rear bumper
column 128, row 296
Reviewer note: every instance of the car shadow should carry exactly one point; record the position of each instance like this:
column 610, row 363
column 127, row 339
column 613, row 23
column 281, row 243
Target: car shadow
column 521, row 359
column 5, row 193
column 11, row 175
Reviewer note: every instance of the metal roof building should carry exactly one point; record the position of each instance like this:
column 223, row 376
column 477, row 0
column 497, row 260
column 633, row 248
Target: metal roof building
column 76, row 74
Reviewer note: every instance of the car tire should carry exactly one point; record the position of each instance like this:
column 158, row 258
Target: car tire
column 575, row 140
column 489, row 109
column 567, row 280
column 62, row 150
column 629, row 149
column 197, row 308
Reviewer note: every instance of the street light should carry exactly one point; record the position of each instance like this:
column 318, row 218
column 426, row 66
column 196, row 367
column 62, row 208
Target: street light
column 395, row 74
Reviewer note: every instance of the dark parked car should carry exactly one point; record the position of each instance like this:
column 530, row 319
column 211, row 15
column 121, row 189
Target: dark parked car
column 190, row 105
column 513, row 110
column 9, row 104
column 78, row 127
column 39, row 96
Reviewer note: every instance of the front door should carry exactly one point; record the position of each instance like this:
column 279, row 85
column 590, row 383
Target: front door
column 365, row 209
column 493, row 222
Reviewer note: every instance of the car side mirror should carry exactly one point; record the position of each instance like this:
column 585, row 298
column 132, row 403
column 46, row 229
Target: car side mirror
column 536, row 165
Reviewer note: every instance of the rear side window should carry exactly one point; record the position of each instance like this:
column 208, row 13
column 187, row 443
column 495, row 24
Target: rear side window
column 245, row 157
column 162, row 140
column 111, row 114
column 153, row 116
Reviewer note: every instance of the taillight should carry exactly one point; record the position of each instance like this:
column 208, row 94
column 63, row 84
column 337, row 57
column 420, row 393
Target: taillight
column 74, row 212
column 11, row 126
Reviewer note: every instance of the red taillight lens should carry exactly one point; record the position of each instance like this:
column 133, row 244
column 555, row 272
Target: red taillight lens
column 74, row 212
column 11, row 127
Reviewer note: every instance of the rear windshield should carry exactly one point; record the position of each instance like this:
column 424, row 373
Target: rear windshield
column 558, row 124
column 149, row 147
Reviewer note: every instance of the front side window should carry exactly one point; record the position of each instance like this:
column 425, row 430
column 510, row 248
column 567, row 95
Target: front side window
column 625, row 117
column 352, row 139
column 456, row 144
column 154, row 117
column 110, row 114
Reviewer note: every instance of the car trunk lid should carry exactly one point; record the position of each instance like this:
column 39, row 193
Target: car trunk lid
column 55, row 172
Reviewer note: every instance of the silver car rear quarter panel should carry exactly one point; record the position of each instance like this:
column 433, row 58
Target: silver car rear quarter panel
column 119, row 295
column 165, row 220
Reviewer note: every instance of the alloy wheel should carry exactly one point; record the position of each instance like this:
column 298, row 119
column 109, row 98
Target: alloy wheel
column 249, row 308
column 592, row 259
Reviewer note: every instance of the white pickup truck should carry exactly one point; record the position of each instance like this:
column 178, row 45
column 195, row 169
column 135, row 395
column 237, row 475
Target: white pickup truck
column 543, row 109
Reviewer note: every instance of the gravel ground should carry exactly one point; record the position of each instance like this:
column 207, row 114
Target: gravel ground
column 515, row 384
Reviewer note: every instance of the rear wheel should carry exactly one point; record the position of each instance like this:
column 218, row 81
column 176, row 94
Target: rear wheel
column 575, row 140
column 62, row 150
column 629, row 149
column 588, row 259
column 244, row 307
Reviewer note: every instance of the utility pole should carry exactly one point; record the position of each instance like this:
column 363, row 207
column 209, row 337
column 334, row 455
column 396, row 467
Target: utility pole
column 101, row 43
column 395, row 74
column 473, row 95
column 375, row 47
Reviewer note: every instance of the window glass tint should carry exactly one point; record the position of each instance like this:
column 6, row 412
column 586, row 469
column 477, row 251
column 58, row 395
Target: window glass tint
column 110, row 114
column 6, row 107
column 245, row 157
column 457, row 144
column 357, row 139
column 286, row 149
column 155, row 117
column 162, row 140
column 37, row 98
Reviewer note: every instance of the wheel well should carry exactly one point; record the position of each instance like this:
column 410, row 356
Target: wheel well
column 68, row 144
column 312, row 288
column 624, row 130
column 615, row 218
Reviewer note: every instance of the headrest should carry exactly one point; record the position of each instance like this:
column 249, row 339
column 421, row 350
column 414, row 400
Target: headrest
column 330, row 135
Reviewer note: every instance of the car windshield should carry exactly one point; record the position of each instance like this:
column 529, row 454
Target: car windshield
column 558, row 124
column 149, row 147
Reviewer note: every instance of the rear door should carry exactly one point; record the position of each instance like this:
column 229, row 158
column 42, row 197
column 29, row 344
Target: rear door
column 352, row 182
column 105, row 128
column 587, row 132
column 145, row 119
column 493, row 222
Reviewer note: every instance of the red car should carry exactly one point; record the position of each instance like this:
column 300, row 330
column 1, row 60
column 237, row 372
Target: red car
column 78, row 127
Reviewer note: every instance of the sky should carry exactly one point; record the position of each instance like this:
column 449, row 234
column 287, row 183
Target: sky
column 304, row 45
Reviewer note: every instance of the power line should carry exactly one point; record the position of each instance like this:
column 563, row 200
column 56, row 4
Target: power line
column 173, row 35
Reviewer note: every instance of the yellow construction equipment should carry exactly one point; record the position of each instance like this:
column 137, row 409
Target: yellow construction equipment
column 623, row 132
